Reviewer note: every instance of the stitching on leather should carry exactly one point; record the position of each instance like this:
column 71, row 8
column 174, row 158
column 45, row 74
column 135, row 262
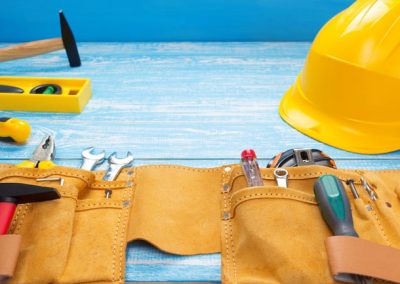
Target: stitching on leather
column 37, row 174
column 120, row 243
column 278, row 194
column 120, row 238
column 15, row 220
column 225, row 222
column 270, row 194
column 114, row 185
column 68, row 194
column 233, row 251
column 216, row 169
column 120, row 232
column 231, row 239
column 115, row 246
column 22, row 218
column 382, row 230
column 115, row 205
column 125, row 212
column 296, row 176
column 130, row 195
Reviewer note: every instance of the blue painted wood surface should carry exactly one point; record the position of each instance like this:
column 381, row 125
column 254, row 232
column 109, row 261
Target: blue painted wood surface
column 169, row 20
column 197, row 104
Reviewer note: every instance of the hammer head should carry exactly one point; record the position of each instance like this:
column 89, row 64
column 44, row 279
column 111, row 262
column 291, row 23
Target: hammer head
column 69, row 42
column 25, row 193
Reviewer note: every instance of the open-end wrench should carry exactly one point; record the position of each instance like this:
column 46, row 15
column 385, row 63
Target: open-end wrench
column 115, row 166
column 90, row 160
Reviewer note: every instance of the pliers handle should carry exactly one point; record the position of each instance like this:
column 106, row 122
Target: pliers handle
column 45, row 165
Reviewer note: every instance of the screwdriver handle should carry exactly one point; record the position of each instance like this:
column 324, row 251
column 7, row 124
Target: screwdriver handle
column 14, row 129
column 334, row 205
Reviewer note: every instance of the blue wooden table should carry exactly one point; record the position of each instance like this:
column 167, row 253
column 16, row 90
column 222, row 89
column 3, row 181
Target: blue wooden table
column 197, row 104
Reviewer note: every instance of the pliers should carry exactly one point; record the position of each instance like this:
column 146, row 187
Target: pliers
column 43, row 156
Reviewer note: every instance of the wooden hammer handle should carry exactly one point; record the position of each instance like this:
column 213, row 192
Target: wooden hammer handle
column 29, row 49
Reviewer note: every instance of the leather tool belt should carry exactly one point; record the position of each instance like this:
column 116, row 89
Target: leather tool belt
column 266, row 234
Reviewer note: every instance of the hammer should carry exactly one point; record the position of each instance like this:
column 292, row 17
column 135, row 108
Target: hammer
column 38, row 47
column 12, row 194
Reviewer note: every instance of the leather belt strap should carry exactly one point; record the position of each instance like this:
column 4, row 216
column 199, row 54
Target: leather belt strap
column 357, row 256
column 9, row 251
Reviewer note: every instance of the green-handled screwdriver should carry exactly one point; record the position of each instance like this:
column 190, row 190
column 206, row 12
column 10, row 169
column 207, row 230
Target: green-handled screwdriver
column 334, row 205
column 335, row 209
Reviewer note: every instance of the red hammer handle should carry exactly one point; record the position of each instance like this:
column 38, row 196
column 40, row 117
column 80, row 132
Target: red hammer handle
column 7, row 210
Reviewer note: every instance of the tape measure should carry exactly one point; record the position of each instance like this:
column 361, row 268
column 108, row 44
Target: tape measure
column 301, row 157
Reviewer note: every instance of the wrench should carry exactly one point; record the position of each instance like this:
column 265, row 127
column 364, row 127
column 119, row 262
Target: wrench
column 115, row 166
column 91, row 160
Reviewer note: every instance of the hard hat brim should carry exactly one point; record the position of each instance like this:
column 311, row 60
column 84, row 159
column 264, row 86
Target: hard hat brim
column 349, row 135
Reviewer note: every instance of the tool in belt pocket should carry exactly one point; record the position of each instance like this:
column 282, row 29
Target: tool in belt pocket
column 301, row 157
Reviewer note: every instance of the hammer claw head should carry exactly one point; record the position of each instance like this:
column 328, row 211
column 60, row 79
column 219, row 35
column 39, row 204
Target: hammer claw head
column 26, row 193
column 69, row 42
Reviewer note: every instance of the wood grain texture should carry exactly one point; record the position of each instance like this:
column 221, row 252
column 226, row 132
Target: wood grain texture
column 29, row 49
column 197, row 104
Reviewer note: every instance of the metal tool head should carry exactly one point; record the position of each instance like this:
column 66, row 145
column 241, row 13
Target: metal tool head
column 113, row 159
column 89, row 154
column 45, row 151
column 116, row 165
column 69, row 42
column 26, row 193
column 91, row 160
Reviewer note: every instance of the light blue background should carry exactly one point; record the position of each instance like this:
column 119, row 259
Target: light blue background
column 168, row 20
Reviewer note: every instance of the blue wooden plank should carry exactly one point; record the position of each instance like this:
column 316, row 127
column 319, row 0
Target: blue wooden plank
column 172, row 20
column 197, row 104
column 144, row 262
column 181, row 100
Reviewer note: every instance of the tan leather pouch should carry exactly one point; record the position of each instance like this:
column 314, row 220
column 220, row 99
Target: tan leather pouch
column 82, row 237
column 276, row 235
column 79, row 238
column 177, row 209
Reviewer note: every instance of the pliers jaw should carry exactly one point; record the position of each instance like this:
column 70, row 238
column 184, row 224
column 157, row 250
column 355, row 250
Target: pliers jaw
column 43, row 155
column 45, row 151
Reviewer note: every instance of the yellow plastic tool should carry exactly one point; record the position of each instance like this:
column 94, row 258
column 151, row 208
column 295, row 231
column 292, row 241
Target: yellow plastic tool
column 14, row 129
column 348, row 94
column 44, row 94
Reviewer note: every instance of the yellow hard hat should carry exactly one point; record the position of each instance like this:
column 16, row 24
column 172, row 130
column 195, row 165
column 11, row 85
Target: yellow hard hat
column 348, row 94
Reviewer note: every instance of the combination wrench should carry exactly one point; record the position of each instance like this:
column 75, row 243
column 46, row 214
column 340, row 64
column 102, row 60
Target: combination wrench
column 115, row 165
column 90, row 160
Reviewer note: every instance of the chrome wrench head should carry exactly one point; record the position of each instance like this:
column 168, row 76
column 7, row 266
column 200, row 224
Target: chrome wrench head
column 91, row 160
column 115, row 165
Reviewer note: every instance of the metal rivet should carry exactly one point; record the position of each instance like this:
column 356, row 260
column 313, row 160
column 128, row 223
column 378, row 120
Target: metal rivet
column 226, row 187
column 129, row 184
column 388, row 204
column 125, row 203
column 369, row 207
column 129, row 173
column 108, row 193
column 226, row 215
column 61, row 180
column 227, row 169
